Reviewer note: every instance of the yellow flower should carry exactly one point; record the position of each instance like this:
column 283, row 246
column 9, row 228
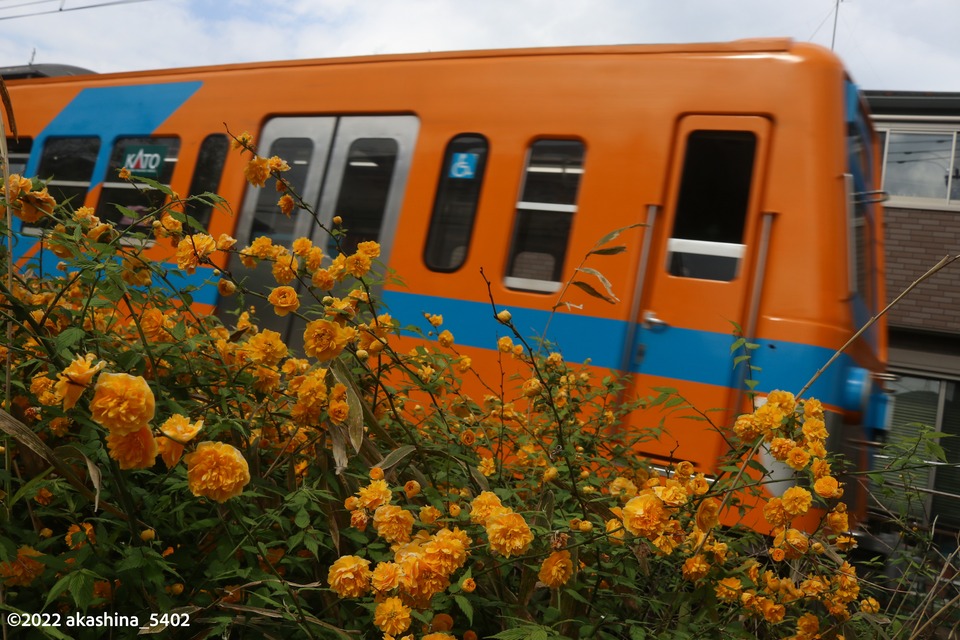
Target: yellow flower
column 392, row 616
column 508, row 533
column 469, row 585
column 122, row 403
column 374, row 495
column 837, row 520
column 134, row 450
column 729, row 589
column 487, row 466
column 707, row 514
column 798, row 459
column 393, row 523
column 483, row 505
column 350, row 576
column 357, row 265
column 78, row 537
column 870, row 605
column 325, row 340
column 72, row 381
column 266, row 348
column 645, row 515
column 796, row 501
column 694, row 568
column 22, row 570
column 192, row 250
column 276, row 164
column 257, row 171
column 447, row 551
column 411, row 488
column 35, row 205
column 217, row 471
column 386, row 577
column 827, row 487
column 556, row 569
column 445, row 339
column 284, row 300
column 178, row 431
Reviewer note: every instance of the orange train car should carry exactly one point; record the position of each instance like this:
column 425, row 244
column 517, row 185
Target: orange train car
column 751, row 166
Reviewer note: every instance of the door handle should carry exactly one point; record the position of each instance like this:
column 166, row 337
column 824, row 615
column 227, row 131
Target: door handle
column 650, row 320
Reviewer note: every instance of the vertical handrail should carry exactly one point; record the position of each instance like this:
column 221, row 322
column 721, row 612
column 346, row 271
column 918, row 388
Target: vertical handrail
column 629, row 351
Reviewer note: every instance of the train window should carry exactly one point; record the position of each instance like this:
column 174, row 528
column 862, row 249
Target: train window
column 152, row 158
column 458, row 194
column 364, row 188
column 545, row 212
column 67, row 164
column 269, row 220
column 206, row 176
column 18, row 152
column 711, row 211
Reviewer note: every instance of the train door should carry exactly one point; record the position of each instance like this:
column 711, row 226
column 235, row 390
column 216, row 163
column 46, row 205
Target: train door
column 700, row 278
column 354, row 167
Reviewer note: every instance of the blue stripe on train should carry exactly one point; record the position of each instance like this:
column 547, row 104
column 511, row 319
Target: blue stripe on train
column 670, row 352
column 109, row 112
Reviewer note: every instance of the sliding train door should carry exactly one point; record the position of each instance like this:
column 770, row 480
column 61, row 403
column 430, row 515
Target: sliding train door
column 354, row 167
column 701, row 278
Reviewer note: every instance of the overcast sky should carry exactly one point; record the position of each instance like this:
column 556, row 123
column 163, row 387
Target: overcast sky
column 887, row 44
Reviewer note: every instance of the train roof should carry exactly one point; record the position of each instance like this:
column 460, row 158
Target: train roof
column 744, row 46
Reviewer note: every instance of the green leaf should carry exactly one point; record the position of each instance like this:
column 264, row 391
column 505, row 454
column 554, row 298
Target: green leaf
column 396, row 456
column 302, row 519
column 609, row 251
column 590, row 290
column 465, row 606
column 68, row 338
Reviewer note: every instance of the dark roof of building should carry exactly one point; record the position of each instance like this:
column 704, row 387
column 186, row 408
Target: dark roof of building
column 929, row 103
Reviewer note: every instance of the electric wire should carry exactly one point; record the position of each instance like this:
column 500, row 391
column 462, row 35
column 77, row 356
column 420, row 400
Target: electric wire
column 60, row 9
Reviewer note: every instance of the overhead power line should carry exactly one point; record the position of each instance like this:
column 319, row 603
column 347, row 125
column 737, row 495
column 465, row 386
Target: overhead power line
column 60, row 9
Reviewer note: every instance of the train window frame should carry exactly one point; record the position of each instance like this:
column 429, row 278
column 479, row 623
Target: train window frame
column 696, row 250
column 207, row 175
column 112, row 185
column 950, row 201
column 542, row 206
column 455, row 209
column 57, row 186
column 18, row 154
column 356, row 178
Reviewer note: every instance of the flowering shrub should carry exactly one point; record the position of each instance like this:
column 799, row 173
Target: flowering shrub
column 158, row 460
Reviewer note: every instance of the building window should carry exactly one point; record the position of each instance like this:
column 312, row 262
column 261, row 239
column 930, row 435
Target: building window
column 712, row 205
column 545, row 212
column 458, row 195
column 932, row 490
column 126, row 203
column 921, row 168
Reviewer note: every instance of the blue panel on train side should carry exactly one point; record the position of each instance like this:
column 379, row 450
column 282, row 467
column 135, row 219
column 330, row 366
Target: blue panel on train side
column 109, row 112
column 684, row 355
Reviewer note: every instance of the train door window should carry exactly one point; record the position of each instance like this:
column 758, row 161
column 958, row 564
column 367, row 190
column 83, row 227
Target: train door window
column 364, row 189
column 712, row 205
column 67, row 164
column 544, row 216
column 269, row 220
column 152, row 158
column 458, row 195
column 18, row 153
column 206, row 176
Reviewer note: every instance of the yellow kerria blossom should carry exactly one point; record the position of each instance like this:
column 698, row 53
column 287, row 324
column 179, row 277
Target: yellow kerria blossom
column 645, row 515
column 393, row 523
column 386, row 577
column 556, row 569
column 447, row 550
column 445, row 339
column 728, row 589
column 827, row 487
column 357, row 265
column 266, row 348
column 798, row 459
column 257, row 171
column 122, row 403
column 796, row 501
column 22, row 570
column 72, row 381
column 483, row 505
column 78, row 536
column 695, row 567
column 350, row 576
column 193, row 250
column 135, row 450
column 392, row 616
column 35, row 205
column 217, row 471
column 369, row 248
column 508, row 533
column 284, row 300
column 374, row 495
column 325, row 340
column 177, row 431
column 708, row 514
column 487, row 466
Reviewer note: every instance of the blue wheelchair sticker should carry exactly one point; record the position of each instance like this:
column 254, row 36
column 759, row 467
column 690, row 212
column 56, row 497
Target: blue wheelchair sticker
column 463, row 165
